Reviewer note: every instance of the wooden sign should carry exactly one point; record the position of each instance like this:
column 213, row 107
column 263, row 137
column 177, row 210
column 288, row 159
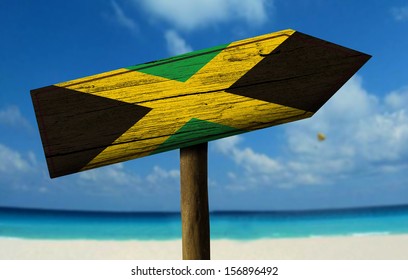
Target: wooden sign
column 188, row 99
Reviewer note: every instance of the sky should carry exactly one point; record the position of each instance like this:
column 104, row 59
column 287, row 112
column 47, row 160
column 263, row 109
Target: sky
column 362, row 162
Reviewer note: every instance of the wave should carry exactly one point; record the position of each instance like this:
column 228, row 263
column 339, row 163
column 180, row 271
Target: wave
column 362, row 234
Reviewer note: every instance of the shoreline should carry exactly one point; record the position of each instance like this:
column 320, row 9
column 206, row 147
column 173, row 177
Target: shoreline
column 212, row 239
column 367, row 247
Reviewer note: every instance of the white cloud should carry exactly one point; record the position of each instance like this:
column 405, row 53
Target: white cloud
column 160, row 175
column 365, row 135
column 225, row 145
column 258, row 168
column 119, row 180
column 175, row 44
column 112, row 180
column 189, row 15
column 398, row 99
column 112, row 175
column 253, row 162
column 400, row 14
column 18, row 170
column 13, row 162
column 361, row 130
column 11, row 116
column 122, row 19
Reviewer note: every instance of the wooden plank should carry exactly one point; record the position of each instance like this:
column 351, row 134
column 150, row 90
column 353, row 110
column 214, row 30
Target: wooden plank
column 194, row 202
column 189, row 99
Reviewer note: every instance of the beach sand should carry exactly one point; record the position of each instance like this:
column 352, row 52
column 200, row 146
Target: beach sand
column 316, row 248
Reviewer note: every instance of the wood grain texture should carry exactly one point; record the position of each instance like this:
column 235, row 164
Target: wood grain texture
column 189, row 99
column 194, row 202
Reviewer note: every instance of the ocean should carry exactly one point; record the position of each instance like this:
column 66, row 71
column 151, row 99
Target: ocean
column 235, row 225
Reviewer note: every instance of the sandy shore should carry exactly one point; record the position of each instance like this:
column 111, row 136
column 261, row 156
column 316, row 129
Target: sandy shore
column 347, row 248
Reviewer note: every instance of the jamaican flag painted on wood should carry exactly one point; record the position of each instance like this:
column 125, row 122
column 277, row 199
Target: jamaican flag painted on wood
column 188, row 99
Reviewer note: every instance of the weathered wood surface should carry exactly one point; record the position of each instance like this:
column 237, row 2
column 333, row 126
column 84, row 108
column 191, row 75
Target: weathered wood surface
column 194, row 202
column 189, row 99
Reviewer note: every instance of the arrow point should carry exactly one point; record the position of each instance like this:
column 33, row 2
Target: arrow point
column 302, row 73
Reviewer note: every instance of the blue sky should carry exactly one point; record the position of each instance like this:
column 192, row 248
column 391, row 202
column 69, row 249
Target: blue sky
column 364, row 160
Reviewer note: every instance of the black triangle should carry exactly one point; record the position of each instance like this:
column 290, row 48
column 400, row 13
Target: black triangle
column 75, row 127
column 303, row 73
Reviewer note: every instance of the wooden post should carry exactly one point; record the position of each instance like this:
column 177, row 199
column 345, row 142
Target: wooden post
column 194, row 202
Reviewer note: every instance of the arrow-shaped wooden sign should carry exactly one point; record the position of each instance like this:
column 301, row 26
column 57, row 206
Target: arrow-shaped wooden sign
column 188, row 99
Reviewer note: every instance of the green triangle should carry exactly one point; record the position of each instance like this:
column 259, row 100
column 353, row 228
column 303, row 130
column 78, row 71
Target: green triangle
column 181, row 67
column 196, row 131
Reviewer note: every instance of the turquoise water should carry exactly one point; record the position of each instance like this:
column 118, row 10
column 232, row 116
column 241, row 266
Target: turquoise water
column 46, row 224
